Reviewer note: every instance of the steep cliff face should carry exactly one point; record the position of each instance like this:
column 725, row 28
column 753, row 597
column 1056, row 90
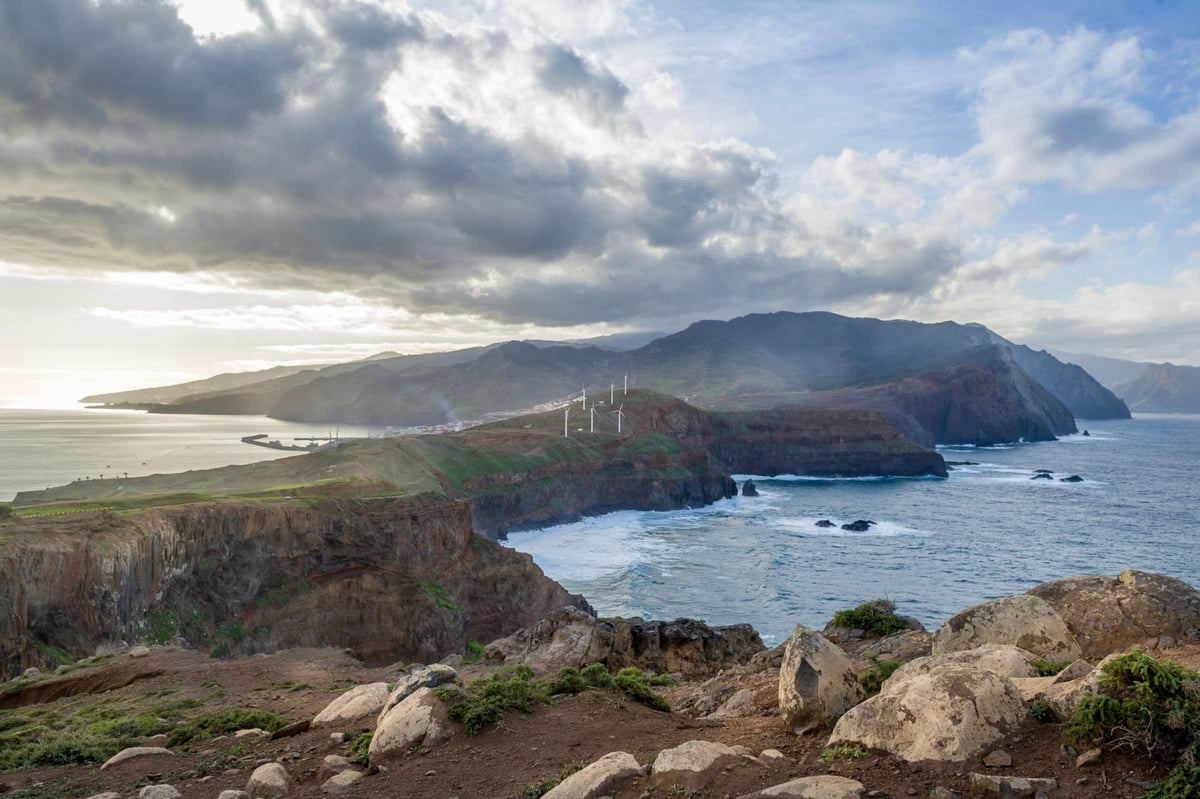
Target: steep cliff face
column 985, row 401
column 392, row 579
column 1077, row 389
column 1164, row 388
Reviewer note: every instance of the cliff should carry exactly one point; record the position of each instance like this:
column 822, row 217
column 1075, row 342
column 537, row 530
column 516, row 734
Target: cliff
column 391, row 579
column 1070, row 383
column 986, row 400
column 1164, row 388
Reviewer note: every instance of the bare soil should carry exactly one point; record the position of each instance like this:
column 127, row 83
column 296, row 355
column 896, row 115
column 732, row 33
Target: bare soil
column 505, row 759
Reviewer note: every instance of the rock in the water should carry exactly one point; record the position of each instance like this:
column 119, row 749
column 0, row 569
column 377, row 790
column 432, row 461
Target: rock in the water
column 749, row 489
column 1002, row 659
column 1072, row 479
column 420, row 719
column 570, row 637
column 817, row 682
column 1023, row 620
column 825, row 523
column 269, row 780
column 858, row 525
column 822, row 786
column 1042, row 476
column 136, row 753
column 357, row 703
column 692, row 763
column 947, row 715
column 423, row 677
column 1109, row 615
column 598, row 779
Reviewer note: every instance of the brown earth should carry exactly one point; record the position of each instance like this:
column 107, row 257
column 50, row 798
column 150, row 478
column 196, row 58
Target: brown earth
column 523, row 750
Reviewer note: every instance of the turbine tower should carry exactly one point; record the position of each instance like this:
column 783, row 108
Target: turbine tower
column 626, row 391
column 620, row 416
column 612, row 389
column 592, row 427
column 566, row 416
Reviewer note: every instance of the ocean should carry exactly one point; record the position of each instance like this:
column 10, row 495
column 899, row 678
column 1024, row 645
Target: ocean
column 939, row 546
column 43, row 448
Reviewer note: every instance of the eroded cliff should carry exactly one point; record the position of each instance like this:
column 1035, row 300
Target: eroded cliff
column 391, row 579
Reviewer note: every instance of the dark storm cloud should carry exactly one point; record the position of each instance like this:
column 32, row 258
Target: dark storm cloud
column 127, row 142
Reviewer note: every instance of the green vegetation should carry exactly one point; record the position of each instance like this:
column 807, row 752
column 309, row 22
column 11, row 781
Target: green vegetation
column 874, row 677
column 441, row 596
column 360, row 747
column 6, row 511
column 1150, row 706
column 843, row 752
column 1049, row 668
column 876, row 618
column 220, row 722
column 54, row 654
column 551, row 782
column 486, row 700
column 472, row 651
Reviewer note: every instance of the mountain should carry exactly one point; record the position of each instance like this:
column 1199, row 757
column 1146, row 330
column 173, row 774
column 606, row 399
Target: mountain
column 1164, row 388
column 752, row 362
column 1111, row 372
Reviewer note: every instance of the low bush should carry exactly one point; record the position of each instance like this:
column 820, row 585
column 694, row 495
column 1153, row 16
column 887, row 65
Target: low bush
column 220, row 722
column 1049, row 668
column 633, row 682
column 876, row 618
column 873, row 678
column 1149, row 706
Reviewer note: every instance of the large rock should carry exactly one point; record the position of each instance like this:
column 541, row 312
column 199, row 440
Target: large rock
column 817, row 682
column 269, row 780
column 948, row 714
column 139, row 753
column 599, row 778
column 1109, row 615
column 821, row 786
column 359, row 702
column 570, row 637
column 423, row 677
column 420, row 719
column 1001, row 659
column 692, row 764
column 1022, row 620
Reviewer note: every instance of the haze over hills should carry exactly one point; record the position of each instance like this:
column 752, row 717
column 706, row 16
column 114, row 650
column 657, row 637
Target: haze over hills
column 939, row 383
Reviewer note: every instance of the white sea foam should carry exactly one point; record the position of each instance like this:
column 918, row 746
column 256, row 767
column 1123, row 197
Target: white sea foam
column 807, row 526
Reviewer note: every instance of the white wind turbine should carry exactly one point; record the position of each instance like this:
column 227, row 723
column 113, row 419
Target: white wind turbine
column 620, row 416
column 566, row 416
column 592, row 428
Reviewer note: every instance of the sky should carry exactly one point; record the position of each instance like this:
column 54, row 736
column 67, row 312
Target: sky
column 209, row 186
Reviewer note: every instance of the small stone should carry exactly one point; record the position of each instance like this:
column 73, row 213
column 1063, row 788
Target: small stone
column 1081, row 781
column 135, row 753
column 105, row 795
column 337, row 737
column 341, row 783
column 911, row 791
column 942, row 792
column 253, row 732
column 230, row 794
column 269, row 780
column 997, row 759
column 1091, row 757
column 431, row 773
column 139, row 651
column 162, row 791
column 31, row 672
column 1069, row 750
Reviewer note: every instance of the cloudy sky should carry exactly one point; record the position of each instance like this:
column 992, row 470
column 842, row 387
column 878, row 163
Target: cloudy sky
column 196, row 187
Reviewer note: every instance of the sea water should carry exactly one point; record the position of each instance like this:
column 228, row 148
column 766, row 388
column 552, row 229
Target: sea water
column 43, row 448
column 938, row 546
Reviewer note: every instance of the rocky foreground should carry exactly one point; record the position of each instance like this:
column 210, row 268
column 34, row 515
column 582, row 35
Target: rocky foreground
column 968, row 714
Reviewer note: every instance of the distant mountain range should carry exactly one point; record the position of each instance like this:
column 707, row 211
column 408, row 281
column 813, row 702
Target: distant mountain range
column 938, row 383
column 1145, row 387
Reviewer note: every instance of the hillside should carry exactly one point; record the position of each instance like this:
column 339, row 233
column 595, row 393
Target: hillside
column 753, row 362
column 1164, row 388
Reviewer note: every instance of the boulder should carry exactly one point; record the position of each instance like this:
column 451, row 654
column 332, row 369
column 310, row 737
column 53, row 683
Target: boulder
column 817, row 682
column 422, row 677
column 359, row 702
column 858, row 525
column 1001, row 659
column 824, row 523
column 341, row 783
column 570, row 637
column 599, row 778
column 230, row 794
column 692, row 764
column 1061, row 692
column 1109, row 615
column 1072, row 479
column 136, row 753
column 749, row 489
column 420, row 719
column 1022, row 620
column 105, row 795
column 269, row 780
column 822, row 786
column 947, row 715
column 160, row 791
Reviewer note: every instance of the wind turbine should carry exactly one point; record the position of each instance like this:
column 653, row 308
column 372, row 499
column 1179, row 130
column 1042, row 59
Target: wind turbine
column 584, row 396
column 612, row 388
column 626, row 391
column 592, row 428
column 566, row 416
column 620, row 416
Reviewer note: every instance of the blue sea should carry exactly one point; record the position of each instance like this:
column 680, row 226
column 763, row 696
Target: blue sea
column 939, row 546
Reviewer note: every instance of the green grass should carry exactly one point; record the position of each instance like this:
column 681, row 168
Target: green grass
column 1049, row 668
column 227, row 720
column 877, row 673
column 441, row 596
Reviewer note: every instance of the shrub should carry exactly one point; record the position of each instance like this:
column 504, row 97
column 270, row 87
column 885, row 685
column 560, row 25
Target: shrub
column 486, row 699
column 876, row 618
column 472, row 652
column 873, row 678
column 361, row 746
column 1150, row 706
column 632, row 681
column 566, row 680
column 597, row 676
column 1049, row 668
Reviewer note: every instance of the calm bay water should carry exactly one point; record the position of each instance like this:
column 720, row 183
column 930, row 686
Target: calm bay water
column 939, row 546
column 41, row 448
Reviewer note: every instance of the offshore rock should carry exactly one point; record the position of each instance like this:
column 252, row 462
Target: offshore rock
column 569, row 637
